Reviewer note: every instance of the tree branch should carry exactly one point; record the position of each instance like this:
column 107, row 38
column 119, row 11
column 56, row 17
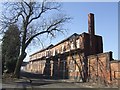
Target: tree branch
column 29, row 41
column 23, row 8
column 44, row 9
column 50, row 28
column 39, row 15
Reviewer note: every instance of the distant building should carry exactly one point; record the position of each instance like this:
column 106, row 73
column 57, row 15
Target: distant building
column 78, row 57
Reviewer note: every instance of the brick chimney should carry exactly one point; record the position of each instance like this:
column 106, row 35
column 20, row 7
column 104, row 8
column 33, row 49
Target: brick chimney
column 91, row 24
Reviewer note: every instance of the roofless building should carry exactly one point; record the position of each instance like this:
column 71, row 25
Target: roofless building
column 78, row 57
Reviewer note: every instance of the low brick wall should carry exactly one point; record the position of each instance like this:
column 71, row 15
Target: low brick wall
column 102, row 68
column 115, row 71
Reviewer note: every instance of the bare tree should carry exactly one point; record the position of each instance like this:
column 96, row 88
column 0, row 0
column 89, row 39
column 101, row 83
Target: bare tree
column 34, row 19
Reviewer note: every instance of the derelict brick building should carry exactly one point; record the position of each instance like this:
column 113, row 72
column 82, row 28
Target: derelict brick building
column 77, row 57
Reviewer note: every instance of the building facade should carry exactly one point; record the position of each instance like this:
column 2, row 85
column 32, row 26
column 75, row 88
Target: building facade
column 78, row 57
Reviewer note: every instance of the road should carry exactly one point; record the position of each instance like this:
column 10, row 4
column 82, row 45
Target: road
column 34, row 81
column 31, row 80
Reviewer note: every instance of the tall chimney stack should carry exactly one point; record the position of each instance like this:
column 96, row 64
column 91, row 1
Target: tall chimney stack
column 91, row 24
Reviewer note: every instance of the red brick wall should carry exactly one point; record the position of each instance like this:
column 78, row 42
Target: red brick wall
column 115, row 71
column 92, row 44
column 101, row 68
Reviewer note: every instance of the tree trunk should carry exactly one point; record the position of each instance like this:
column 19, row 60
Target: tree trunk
column 18, row 65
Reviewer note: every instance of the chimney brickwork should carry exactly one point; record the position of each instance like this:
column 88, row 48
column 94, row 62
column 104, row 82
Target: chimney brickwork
column 95, row 41
column 91, row 24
